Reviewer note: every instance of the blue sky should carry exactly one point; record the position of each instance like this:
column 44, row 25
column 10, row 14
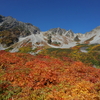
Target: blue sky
column 80, row 16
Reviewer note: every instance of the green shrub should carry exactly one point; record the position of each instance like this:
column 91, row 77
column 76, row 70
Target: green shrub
column 25, row 49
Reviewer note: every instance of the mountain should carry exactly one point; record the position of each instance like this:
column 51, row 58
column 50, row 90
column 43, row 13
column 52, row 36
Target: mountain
column 15, row 34
column 11, row 30
column 10, row 23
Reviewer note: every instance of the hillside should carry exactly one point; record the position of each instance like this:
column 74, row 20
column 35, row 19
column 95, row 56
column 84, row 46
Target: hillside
column 27, row 77
column 16, row 34
column 53, row 65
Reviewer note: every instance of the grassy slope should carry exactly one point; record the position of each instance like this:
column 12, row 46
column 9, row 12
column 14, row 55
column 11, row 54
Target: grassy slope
column 54, row 74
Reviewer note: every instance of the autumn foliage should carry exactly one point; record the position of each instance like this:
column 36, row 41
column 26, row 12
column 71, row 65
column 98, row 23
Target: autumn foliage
column 27, row 77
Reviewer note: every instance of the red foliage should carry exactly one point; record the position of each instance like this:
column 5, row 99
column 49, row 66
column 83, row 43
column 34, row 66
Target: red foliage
column 34, row 72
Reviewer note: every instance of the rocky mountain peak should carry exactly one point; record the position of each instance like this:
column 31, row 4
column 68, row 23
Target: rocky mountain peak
column 11, row 30
column 70, row 33
column 76, row 38
column 58, row 30
column 16, row 33
column 98, row 28
column 1, row 18
column 10, row 22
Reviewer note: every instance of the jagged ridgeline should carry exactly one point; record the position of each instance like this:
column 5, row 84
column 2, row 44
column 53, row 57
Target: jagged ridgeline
column 61, row 65
column 16, row 34
column 11, row 30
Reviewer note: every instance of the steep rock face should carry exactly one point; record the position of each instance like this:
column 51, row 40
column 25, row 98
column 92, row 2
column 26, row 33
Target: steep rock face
column 70, row 33
column 1, row 18
column 11, row 30
column 10, row 23
column 16, row 34
column 76, row 38
column 57, row 31
column 60, row 31
column 95, row 31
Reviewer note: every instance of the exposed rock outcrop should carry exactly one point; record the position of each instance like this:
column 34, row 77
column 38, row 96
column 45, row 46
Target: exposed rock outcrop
column 11, row 30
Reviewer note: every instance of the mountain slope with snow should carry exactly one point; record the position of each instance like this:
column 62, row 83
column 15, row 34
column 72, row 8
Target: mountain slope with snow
column 15, row 35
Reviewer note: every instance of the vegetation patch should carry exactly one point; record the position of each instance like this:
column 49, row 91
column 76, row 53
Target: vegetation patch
column 53, row 74
column 8, row 49
column 25, row 49
column 27, row 77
